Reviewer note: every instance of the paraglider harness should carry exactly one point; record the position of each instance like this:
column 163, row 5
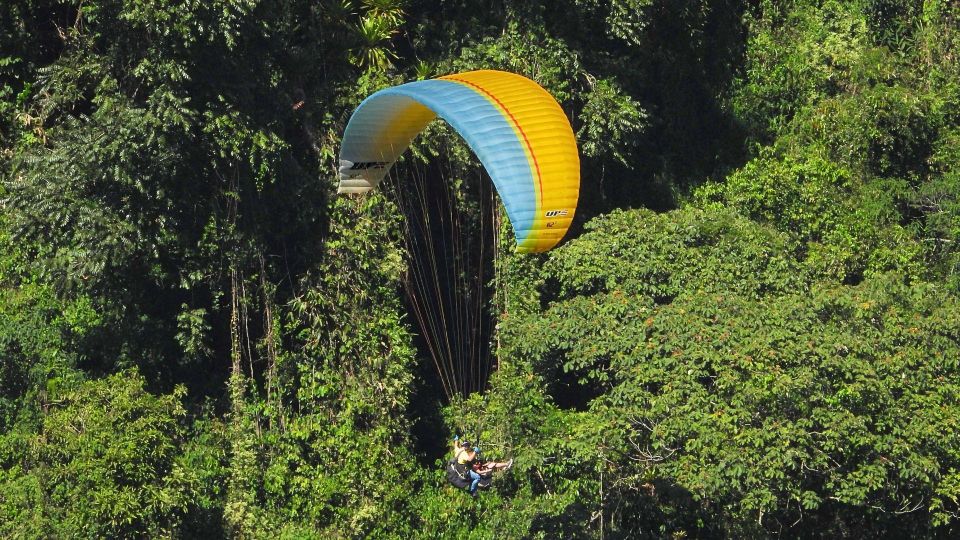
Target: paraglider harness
column 458, row 474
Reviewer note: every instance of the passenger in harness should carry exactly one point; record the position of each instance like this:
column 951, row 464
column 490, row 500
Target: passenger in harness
column 465, row 471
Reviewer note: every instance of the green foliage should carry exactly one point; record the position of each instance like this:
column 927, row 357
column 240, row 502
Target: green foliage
column 880, row 131
column 824, row 399
column 334, row 455
column 796, row 55
column 938, row 201
column 105, row 461
column 851, row 229
column 662, row 261
column 803, row 194
column 778, row 401
column 40, row 334
column 863, row 107
column 774, row 353
column 610, row 118
column 374, row 33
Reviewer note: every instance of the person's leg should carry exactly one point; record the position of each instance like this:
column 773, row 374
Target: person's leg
column 476, row 480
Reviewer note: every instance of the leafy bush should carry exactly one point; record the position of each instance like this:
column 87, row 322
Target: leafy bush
column 105, row 461
column 774, row 401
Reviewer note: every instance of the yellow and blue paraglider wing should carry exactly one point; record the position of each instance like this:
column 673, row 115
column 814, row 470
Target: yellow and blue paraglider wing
column 516, row 129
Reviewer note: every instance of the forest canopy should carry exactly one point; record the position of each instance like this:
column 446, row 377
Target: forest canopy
column 751, row 329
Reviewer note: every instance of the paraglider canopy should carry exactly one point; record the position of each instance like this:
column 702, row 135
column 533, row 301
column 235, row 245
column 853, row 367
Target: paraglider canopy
column 515, row 127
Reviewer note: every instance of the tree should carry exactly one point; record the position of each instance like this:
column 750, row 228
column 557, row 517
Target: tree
column 106, row 459
column 726, row 370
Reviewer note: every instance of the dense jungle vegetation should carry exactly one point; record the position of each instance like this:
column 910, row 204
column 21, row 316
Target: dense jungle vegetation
column 752, row 330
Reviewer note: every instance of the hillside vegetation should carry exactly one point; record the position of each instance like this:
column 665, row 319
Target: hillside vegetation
column 752, row 329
